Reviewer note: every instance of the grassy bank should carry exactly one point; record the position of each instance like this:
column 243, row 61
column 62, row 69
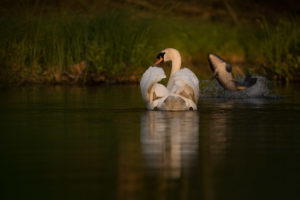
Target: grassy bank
column 58, row 47
column 117, row 46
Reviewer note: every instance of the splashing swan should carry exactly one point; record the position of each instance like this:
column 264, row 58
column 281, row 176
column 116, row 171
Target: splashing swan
column 182, row 91
column 223, row 73
column 250, row 87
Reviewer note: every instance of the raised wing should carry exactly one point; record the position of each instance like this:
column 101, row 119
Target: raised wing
column 222, row 71
column 186, row 84
column 151, row 89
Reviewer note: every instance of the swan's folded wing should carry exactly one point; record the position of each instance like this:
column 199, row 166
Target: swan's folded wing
column 186, row 84
column 149, row 87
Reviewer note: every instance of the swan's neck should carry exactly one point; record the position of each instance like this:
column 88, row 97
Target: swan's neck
column 176, row 64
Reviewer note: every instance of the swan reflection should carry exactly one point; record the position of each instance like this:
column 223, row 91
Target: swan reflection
column 169, row 140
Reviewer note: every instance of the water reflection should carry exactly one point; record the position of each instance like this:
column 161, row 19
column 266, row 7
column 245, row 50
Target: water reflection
column 228, row 116
column 169, row 141
column 218, row 130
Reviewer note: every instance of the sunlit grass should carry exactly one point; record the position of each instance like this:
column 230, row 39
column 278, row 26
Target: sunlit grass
column 275, row 49
column 114, row 44
column 118, row 43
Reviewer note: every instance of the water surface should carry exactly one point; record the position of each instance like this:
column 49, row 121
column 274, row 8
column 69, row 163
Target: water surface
column 101, row 143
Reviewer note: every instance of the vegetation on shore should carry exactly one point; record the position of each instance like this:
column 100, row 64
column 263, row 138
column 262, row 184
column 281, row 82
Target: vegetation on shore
column 38, row 46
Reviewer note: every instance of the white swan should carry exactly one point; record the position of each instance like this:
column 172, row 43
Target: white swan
column 182, row 91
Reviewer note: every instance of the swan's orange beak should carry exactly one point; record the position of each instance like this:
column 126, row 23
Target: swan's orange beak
column 159, row 61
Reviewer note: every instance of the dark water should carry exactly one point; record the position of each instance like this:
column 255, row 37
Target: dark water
column 101, row 143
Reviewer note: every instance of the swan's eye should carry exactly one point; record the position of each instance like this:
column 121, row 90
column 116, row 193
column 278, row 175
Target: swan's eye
column 161, row 55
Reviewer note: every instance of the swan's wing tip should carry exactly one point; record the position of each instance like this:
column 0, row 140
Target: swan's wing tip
column 150, row 77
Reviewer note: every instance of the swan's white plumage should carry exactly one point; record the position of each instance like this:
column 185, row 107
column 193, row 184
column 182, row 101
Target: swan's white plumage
column 182, row 92
column 185, row 87
column 150, row 86
column 185, row 81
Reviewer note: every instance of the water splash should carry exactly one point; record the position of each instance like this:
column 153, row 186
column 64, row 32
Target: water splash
column 261, row 89
column 209, row 88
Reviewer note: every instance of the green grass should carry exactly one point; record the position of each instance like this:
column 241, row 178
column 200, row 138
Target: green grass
column 117, row 43
column 109, row 44
column 42, row 47
column 275, row 49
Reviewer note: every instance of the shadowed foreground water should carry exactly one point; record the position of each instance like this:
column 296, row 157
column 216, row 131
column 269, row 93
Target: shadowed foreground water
column 101, row 143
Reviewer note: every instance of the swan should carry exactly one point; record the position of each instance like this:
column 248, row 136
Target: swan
column 249, row 87
column 223, row 73
column 182, row 91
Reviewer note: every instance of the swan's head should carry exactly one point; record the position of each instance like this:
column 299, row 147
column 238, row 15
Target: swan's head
column 167, row 55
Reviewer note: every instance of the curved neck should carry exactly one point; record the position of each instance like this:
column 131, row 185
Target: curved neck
column 176, row 63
